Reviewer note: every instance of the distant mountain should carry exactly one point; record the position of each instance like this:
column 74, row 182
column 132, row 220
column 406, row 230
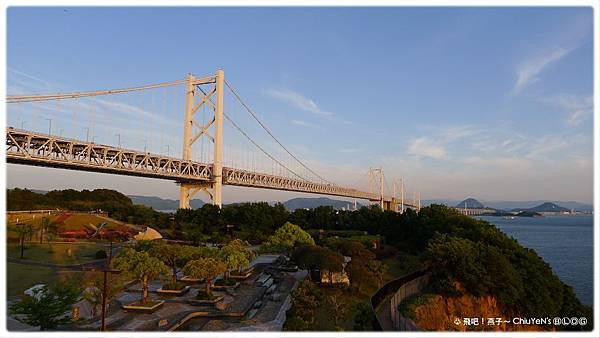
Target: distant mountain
column 512, row 205
column 162, row 203
column 304, row 202
column 470, row 203
column 522, row 205
column 546, row 207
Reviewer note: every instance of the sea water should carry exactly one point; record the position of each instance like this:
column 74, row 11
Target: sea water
column 565, row 242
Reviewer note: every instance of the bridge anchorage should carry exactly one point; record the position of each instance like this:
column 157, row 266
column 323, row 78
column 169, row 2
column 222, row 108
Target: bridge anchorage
column 28, row 147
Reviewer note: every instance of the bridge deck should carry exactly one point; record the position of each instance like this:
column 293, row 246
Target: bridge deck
column 37, row 149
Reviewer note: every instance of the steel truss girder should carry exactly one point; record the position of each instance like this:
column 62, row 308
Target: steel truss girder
column 31, row 148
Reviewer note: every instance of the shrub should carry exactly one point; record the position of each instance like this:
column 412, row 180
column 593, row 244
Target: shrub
column 101, row 254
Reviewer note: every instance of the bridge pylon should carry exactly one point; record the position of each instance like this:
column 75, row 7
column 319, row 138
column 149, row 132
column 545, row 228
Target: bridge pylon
column 212, row 189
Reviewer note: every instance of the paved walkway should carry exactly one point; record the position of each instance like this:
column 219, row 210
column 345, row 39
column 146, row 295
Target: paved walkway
column 247, row 300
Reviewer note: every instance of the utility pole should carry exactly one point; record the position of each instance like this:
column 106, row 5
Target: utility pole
column 402, row 195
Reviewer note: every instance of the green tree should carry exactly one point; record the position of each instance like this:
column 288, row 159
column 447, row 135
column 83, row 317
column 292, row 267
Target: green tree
column 141, row 266
column 304, row 302
column 44, row 226
column 48, row 307
column 287, row 237
column 207, row 269
column 174, row 256
column 236, row 256
column 24, row 231
column 317, row 257
column 338, row 307
column 93, row 291
column 359, row 273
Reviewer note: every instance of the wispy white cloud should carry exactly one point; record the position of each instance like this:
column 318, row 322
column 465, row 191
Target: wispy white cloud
column 29, row 77
column 434, row 144
column 578, row 107
column 299, row 101
column 528, row 71
column 303, row 124
column 424, row 147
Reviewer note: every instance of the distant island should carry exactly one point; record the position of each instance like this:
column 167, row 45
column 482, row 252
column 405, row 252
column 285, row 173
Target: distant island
column 471, row 206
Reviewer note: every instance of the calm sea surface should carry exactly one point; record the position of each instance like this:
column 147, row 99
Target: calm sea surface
column 564, row 242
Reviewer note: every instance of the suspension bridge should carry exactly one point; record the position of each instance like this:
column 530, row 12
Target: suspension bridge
column 202, row 167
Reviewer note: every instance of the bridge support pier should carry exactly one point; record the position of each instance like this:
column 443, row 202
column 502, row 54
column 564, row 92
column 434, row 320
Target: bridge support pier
column 187, row 190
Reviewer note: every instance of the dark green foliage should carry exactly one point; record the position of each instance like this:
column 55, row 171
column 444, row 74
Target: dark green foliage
column 317, row 257
column 483, row 260
column 462, row 250
column 48, row 307
column 225, row 282
column 305, row 300
column 117, row 205
column 363, row 318
column 408, row 306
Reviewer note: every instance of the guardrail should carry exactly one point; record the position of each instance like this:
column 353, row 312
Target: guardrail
column 398, row 289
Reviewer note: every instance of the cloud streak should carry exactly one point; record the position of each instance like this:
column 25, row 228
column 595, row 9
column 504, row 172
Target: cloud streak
column 299, row 101
column 424, row 147
column 527, row 72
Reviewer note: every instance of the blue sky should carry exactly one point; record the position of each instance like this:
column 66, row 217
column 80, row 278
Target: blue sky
column 495, row 103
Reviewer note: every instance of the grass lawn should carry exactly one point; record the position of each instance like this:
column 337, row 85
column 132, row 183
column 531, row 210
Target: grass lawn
column 57, row 253
column 74, row 221
column 21, row 277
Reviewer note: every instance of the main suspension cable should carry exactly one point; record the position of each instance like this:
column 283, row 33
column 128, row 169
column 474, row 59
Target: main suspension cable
column 261, row 148
column 237, row 96
column 62, row 96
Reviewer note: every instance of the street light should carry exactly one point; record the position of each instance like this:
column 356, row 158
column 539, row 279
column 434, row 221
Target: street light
column 22, row 124
column 105, row 271
column 49, row 126
column 87, row 134
column 145, row 144
column 167, row 149
column 119, row 139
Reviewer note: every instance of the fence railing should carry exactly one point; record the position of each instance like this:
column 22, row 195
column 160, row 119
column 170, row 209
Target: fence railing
column 398, row 289
column 407, row 290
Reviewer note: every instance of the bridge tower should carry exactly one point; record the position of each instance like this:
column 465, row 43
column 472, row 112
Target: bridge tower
column 194, row 90
column 400, row 183
column 376, row 179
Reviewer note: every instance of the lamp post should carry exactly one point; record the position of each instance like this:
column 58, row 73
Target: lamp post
column 49, row 126
column 105, row 271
